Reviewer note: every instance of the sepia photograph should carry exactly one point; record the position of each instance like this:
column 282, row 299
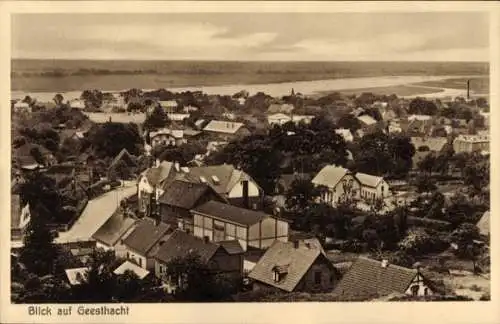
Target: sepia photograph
column 248, row 157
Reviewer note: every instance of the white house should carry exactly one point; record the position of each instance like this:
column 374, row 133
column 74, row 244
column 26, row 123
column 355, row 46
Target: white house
column 372, row 187
column 167, row 136
column 278, row 118
column 302, row 118
column 77, row 103
column 177, row 116
column 345, row 133
column 339, row 184
column 169, row 105
column 22, row 106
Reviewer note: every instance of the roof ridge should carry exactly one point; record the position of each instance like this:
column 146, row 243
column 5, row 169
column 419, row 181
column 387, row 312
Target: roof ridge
column 392, row 265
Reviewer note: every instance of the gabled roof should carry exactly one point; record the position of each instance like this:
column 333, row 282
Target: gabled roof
column 279, row 116
column 296, row 261
column 231, row 246
column 145, row 235
column 183, row 194
column 330, row 175
column 226, row 176
column 158, row 175
column 367, row 277
column 435, row 144
column 368, row 180
column 230, row 213
column 180, row 243
column 367, row 120
column 114, row 228
column 127, row 265
column 484, row 224
column 225, row 127
column 126, row 156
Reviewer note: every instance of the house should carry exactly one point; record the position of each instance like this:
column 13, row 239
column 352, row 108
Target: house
column 127, row 158
column 280, row 108
column 253, row 229
column 368, row 279
column 214, row 146
column 21, row 106
column 291, row 267
column 394, row 127
column 180, row 197
column 153, row 180
column 170, row 106
column 339, row 184
column 471, row 143
column 306, row 119
column 234, row 185
column 345, row 133
column 20, row 216
column 226, row 130
column 33, row 156
column 140, row 242
column 200, row 123
column 108, row 236
column 435, row 144
column 484, row 224
column 278, row 119
column 167, row 137
column 366, row 120
column 189, row 108
column 419, row 117
column 76, row 276
column 77, row 104
column 178, row 116
column 141, row 273
column 372, row 187
column 221, row 258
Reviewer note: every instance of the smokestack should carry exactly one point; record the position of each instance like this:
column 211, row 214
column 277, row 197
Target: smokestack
column 246, row 201
column 468, row 89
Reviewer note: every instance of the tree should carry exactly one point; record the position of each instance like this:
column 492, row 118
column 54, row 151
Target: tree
column 110, row 138
column 302, row 193
column 58, row 99
column 39, row 189
column 419, row 106
column 464, row 237
column 156, row 119
column 38, row 252
column 195, row 281
column 93, row 98
column 427, row 164
column 425, row 184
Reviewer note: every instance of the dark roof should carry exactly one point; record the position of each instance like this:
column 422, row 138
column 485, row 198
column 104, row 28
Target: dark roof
column 145, row 235
column 232, row 246
column 180, row 243
column 284, row 256
column 114, row 228
column 125, row 156
column 230, row 213
column 367, row 277
column 183, row 194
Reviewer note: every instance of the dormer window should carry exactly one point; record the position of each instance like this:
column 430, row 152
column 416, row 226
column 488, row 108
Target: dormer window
column 280, row 272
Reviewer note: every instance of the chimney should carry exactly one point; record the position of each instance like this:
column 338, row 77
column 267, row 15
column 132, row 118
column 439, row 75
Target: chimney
column 246, row 200
column 206, row 239
column 417, row 266
column 385, row 263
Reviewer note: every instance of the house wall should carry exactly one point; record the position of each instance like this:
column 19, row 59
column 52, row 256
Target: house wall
column 419, row 282
column 25, row 217
column 327, row 278
column 204, row 226
column 224, row 262
column 348, row 186
column 163, row 139
column 103, row 246
column 264, row 233
column 370, row 193
column 138, row 259
column 237, row 190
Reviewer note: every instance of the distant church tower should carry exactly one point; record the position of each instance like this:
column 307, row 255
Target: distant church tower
column 293, row 93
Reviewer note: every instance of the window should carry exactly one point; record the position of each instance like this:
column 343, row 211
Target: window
column 426, row 291
column 317, row 277
column 414, row 290
column 161, row 269
column 128, row 255
column 140, row 262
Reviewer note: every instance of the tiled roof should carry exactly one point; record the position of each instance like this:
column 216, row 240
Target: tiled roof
column 180, row 243
column 183, row 194
column 330, row 175
column 230, row 213
column 226, row 176
column 368, row 180
column 367, row 277
column 145, row 235
column 297, row 262
column 127, row 265
column 157, row 175
column 435, row 144
column 126, row 156
column 114, row 228
column 232, row 246
column 225, row 127
column 279, row 116
column 484, row 224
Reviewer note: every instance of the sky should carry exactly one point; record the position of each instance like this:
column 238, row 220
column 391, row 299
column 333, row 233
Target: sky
column 431, row 36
